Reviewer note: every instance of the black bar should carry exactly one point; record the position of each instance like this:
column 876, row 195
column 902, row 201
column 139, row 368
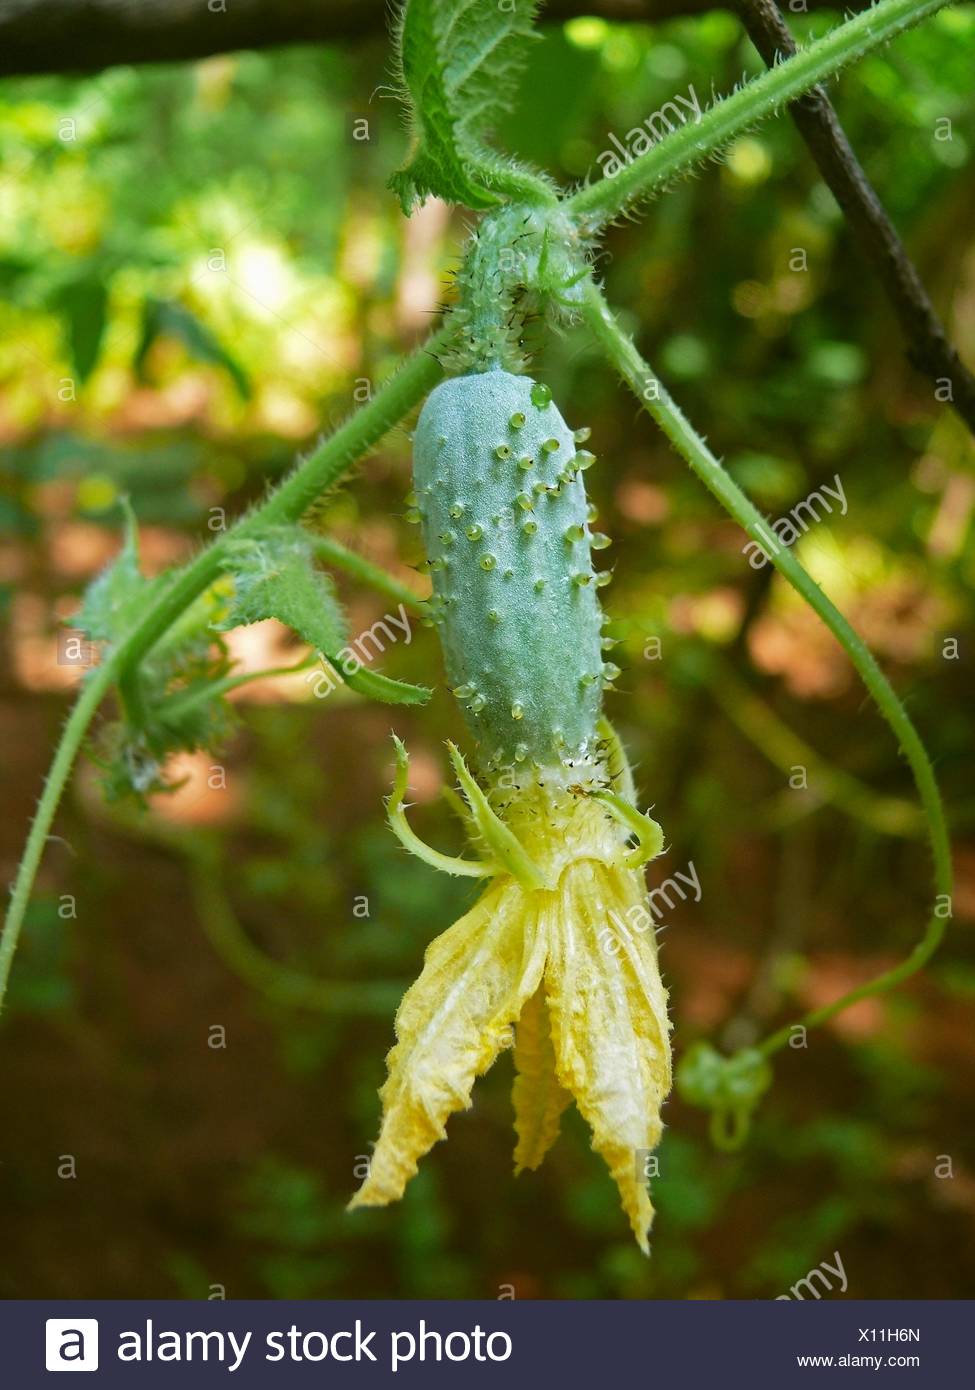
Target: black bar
column 540, row 1344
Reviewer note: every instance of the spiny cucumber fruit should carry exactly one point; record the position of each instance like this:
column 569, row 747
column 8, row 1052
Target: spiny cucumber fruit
column 498, row 487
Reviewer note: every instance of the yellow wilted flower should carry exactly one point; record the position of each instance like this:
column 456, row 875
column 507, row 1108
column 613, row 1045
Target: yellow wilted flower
column 561, row 945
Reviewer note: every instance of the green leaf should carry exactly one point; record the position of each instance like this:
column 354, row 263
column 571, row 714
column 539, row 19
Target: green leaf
column 182, row 709
column 275, row 577
column 115, row 599
column 379, row 687
column 14, row 270
column 180, row 704
column 165, row 318
column 83, row 303
column 204, row 724
column 459, row 62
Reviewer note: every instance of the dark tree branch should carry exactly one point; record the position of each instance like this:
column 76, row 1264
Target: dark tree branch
column 929, row 349
column 87, row 35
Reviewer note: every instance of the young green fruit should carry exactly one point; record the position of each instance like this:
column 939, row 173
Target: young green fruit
column 560, row 943
column 515, row 594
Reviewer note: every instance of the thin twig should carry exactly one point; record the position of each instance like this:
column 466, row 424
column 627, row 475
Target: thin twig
column 929, row 349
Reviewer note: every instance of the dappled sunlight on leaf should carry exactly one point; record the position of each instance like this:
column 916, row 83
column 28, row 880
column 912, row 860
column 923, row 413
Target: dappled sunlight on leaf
column 827, row 977
column 206, row 791
column 260, row 647
column 890, row 603
column 712, row 976
column 715, row 615
column 34, row 638
column 79, row 549
column 642, row 502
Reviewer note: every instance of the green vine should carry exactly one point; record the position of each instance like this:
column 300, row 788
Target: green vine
column 731, row 1086
column 691, row 144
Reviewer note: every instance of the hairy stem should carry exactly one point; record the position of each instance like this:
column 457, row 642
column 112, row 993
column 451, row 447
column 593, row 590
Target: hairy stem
column 92, row 693
column 654, row 398
column 176, row 706
column 677, row 153
column 334, row 553
column 415, row 379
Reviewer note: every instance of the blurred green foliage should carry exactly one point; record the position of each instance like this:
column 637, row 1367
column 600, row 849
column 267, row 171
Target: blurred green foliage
column 201, row 269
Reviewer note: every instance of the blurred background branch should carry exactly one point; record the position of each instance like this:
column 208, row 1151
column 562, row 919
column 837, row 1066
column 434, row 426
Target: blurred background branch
column 86, row 35
column 928, row 346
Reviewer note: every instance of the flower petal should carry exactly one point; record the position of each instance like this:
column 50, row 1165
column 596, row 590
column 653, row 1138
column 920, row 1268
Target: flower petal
column 539, row 1099
column 609, row 1021
column 451, row 1025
